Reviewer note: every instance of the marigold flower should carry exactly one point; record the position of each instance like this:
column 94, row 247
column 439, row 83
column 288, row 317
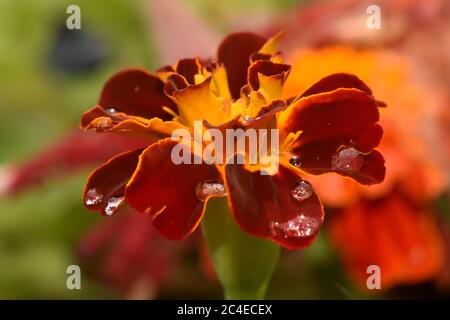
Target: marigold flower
column 331, row 127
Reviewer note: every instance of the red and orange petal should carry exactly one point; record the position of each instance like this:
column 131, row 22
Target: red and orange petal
column 136, row 92
column 339, row 132
column 188, row 68
column 152, row 129
column 234, row 53
column 105, row 188
column 392, row 234
column 167, row 191
column 282, row 207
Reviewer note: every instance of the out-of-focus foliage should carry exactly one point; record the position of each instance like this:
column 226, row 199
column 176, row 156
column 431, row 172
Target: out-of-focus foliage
column 38, row 104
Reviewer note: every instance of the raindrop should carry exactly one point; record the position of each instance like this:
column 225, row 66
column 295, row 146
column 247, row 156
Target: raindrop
column 110, row 111
column 245, row 119
column 295, row 161
column 112, row 205
column 102, row 123
column 302, row 191
column 299, row 227
column 207, row 189
column 137, row 89
column 92, row 197
column 348, row 160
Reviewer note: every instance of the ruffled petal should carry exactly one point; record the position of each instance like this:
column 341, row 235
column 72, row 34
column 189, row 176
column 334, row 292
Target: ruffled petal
column 197, row 102
column 268, row 77
column 188, row 68
column 136, row 92
column 105, row 188
column 234, row 52
column 339, row 132
column 282, row 207
column 169, row 192
column 336, row 81
column 153, row 129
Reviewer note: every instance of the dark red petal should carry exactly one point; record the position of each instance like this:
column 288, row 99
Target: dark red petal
column 175, row 82
column 260, row 56
column 265, row 206
column 267, row 68
column 166, row 68
column 339, row 132
column 167, row 192
column 234, row 52
column 188, row 68
column 136, row 92
column 336, row 81
column 99, row 120
column 106, row 185
column 73, row 152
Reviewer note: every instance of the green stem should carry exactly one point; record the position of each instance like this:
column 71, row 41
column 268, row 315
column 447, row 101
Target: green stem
column 244, row 264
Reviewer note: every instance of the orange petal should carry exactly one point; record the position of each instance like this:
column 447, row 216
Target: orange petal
column 268, row 77
column 197, row 102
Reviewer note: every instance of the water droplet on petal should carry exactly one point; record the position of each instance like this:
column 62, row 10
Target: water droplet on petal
column 110, row 110
column 299, row 227
column 92, row 197
column 302, row 191
column 295, row 161
column 112, row 205
column 137, row 89
column 245, row 119
column 348, row 160
column 102, row 123
column 206, row 189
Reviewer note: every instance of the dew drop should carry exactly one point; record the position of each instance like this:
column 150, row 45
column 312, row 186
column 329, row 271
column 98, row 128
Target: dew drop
column 295, row 161
column 348, row 160
column 112, row 205
column 207, row 189
column 299, row 227
column 302, row 191
column 137, row 89
column 245, row 119
column 110, row 111
column 102, row 123
column 92, row 197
